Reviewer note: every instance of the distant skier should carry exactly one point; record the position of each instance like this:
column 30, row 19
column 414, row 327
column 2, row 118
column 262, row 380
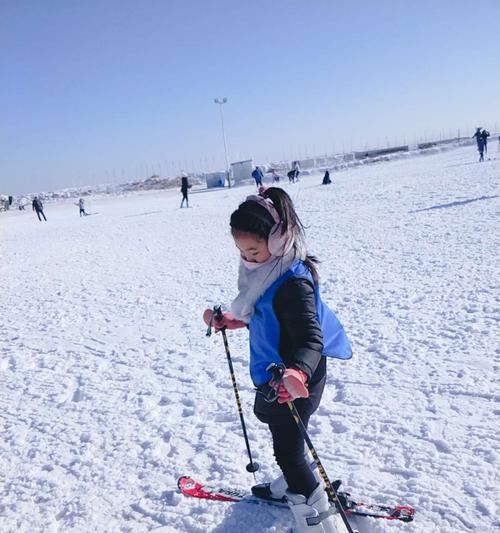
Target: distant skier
column 480, row 148
column 185, row 186
column 289, row 324
column 275, row 176
column 38, row 207
column 326, row 178
column 258, row 176
column 296, row 170
column 293, row 175
column 477, row 135
column 81, row 206
column 484, row 135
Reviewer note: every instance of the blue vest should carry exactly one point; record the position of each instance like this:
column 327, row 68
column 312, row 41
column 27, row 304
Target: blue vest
column 265, row 328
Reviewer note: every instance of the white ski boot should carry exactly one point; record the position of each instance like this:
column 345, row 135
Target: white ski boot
column 314, row 514
column 274, row 491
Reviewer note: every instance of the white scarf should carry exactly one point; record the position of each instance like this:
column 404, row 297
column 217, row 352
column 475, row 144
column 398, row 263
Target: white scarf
column 255, row 278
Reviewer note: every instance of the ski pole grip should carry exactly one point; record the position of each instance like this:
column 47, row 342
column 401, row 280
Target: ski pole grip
column 276, row 371
column 217, row 313
column 220, row 316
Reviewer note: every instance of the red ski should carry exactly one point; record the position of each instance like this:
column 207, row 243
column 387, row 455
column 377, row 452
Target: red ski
column 189, row 487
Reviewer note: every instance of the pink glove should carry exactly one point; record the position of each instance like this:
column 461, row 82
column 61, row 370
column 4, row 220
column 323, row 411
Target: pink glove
column 227, row 320
column 292, row 385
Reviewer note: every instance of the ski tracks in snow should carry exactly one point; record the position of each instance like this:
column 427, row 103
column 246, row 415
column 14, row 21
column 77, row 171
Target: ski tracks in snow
column 109, row 388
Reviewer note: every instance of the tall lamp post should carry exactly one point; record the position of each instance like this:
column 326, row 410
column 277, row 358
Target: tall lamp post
column 221, row 102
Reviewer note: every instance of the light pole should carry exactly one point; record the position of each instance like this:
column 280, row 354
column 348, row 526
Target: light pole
column 221, row 102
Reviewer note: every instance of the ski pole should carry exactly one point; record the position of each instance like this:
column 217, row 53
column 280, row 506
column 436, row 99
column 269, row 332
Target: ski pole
column 331, row 490
column 252, row 466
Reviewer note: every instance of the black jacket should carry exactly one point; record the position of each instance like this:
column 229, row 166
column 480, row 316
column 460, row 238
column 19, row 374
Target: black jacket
column 37, row 204
column 300, row 346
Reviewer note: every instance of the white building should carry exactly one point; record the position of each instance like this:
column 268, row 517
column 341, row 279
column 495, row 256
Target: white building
column 242, row 171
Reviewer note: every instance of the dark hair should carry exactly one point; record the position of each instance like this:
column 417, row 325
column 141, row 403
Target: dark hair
column 251, row 217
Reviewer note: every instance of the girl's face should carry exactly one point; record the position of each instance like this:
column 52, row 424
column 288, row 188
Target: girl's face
column 252, row 247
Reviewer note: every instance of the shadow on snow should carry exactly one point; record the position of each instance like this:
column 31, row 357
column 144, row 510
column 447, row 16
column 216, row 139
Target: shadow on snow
column 455, row 204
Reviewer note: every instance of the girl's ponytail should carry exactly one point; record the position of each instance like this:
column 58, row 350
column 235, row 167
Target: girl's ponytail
column 284, row 206
column 291, row 223
column 311, row 261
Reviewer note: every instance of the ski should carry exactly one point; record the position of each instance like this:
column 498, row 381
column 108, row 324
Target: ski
column 189, row 487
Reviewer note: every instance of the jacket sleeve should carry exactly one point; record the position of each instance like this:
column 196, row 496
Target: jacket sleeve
column 301, row 339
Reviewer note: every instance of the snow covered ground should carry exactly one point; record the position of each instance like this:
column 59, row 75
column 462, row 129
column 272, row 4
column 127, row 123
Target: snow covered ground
column 109, row 389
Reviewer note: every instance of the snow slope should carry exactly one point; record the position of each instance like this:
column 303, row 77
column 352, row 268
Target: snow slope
column 109, row 388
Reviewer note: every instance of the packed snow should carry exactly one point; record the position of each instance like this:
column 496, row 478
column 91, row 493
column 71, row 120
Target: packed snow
column 110, row 390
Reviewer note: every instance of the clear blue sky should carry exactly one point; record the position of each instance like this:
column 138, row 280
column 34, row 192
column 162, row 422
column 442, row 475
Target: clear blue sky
column 95, row 91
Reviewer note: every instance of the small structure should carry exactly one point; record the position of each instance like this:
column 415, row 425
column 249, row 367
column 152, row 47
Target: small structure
column 367, row 154
column 307, row 164
column 4, row 203
column 215, row 179
column 242, row 171
column 426, row 145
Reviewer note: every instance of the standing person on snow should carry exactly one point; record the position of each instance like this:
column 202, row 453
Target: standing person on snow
column 477, row 135
column 480, row 148
column 293, row 175
column 479, row 139
column 480, row 143
column 326, row 178
column 185, row 186
column 38, row 207
column 484, row 135
column 258, row 176
column 288, row 323
column 81, row 206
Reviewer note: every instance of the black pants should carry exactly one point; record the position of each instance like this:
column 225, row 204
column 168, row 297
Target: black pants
column 82, row 212
column 40, row 212
column 288, row 443
column 288, row 446
column 185, row 198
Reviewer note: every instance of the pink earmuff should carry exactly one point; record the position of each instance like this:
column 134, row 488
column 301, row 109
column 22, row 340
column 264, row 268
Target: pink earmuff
column 278, row 243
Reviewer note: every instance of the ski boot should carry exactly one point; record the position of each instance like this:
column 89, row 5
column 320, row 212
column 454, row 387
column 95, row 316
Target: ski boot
column 313, row 514
column 274, row 491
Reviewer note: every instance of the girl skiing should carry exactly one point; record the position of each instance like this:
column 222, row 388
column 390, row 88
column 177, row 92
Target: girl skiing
column 289, row 325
